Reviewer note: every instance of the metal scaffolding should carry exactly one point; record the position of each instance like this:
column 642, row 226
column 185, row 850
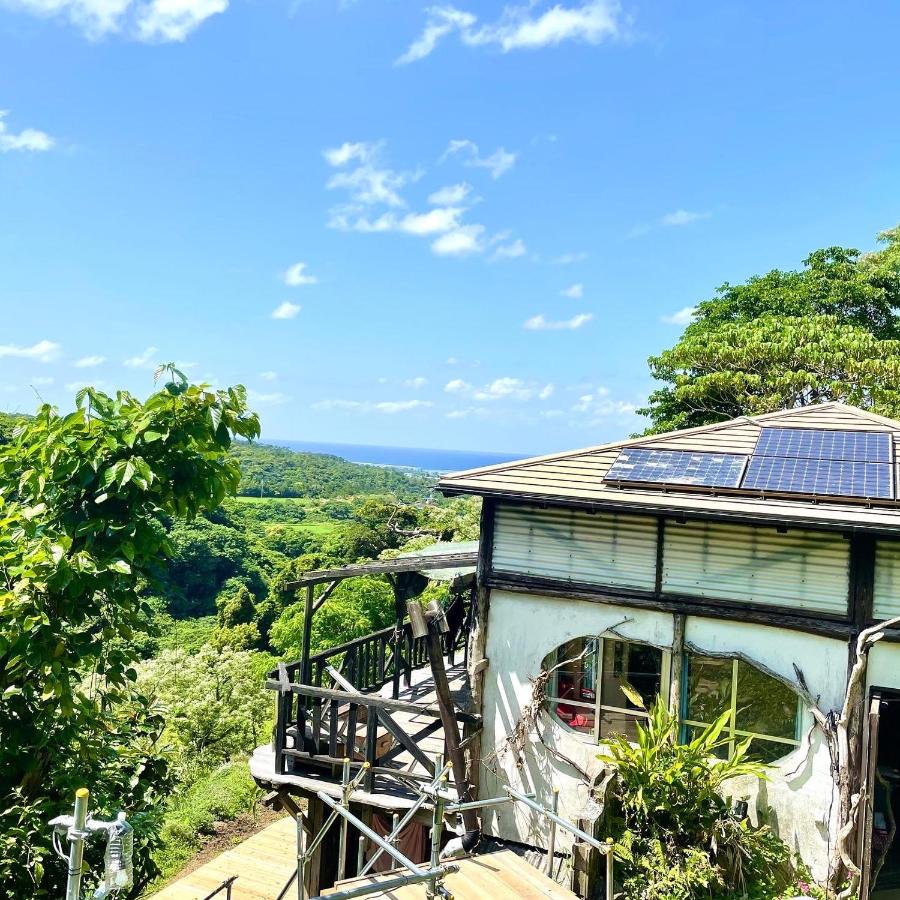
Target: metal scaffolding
column 433, row 873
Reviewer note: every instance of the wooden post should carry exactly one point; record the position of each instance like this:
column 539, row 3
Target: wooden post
column 675, row 676
column 451, row 727
column 307, row 634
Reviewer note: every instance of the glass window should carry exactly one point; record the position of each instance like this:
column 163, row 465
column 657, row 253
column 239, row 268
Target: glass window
column 761, row 706
column 623, row 671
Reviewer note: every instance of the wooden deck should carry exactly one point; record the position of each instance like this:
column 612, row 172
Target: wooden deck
column 263, row 864
column 501, row 875
column 388, row 795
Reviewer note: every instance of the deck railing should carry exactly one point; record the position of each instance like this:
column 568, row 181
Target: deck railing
column 318, row 724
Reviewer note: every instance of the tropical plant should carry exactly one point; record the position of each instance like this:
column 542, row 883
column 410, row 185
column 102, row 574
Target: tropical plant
column 676, row 831
column 81, row 496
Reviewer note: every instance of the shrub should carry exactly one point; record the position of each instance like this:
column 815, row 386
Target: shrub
column 676, row 833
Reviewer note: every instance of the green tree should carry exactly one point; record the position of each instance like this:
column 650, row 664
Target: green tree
column 80, row 500
column 213, row 702
column 834, row 324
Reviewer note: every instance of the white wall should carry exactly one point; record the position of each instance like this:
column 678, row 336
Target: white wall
column 524, row 628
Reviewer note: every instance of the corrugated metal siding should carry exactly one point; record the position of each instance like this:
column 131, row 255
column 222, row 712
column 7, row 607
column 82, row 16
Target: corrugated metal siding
column 800, row 570
column 887, row 580
column 574, row 546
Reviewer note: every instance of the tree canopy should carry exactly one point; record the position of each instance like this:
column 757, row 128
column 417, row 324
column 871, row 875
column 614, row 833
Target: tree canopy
column 81, row 496
column 830, row 331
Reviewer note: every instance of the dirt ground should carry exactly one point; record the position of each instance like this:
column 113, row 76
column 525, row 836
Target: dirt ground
column 228, row 834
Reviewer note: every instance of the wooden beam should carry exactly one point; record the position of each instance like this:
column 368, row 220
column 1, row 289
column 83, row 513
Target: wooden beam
column 308, row 690
column 421, row 563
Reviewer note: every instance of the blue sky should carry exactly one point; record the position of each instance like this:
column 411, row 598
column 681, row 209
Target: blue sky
column 460, row 226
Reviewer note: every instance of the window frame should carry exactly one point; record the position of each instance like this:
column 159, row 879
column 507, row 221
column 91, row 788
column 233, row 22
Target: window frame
column 551, row 700
column 734, row 734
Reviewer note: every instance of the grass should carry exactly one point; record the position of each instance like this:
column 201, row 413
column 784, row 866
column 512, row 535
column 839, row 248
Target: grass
column 221, row 795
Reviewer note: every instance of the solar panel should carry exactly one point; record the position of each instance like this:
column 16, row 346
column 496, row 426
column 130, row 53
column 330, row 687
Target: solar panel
column 677, row 467
column 842, row 478
column 807, row 443
column 825, row 463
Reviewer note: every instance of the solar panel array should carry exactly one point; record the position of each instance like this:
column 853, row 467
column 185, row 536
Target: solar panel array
column 830, row 463
column 807, row 461
column 678, row 467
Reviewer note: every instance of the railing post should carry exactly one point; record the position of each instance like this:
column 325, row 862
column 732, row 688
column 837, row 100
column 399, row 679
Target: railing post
column 610, row 881
column 307, row 634
column 551, row 848
column 361, row 854
column 371, row 744
column 342, row 843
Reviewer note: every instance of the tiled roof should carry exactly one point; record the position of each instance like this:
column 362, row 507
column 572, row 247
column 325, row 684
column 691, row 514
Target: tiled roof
column 576, row 477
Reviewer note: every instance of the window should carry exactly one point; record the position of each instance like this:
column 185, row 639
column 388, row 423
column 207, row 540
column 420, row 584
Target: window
column 761, row 707
column 589, row 692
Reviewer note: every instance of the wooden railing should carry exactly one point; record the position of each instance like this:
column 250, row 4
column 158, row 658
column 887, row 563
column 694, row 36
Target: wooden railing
column 375, row 659
column 320, row 726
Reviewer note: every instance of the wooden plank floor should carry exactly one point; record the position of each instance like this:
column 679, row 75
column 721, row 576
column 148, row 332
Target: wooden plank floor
column 501, row 875
column 263, row 863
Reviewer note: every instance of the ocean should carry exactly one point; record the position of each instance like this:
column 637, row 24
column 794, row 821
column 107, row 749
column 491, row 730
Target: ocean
column 428, row 460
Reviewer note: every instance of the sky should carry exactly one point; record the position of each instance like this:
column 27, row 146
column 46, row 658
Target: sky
column 461, row 226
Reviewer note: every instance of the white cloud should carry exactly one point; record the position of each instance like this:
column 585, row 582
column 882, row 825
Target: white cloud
column 441, row 21
column 388, row 407
column 566, row 259
column 296, row 276
column 29, row 139
column 397, row 406
column 520, row 27
column 416, row 383
column 460, row 242
column 268, row 376
column 42, row 351
column 174, row 20
column 597, row 405
column 276, row 398
column 42, row 379
column 497, row 163
column 368, row 183
column 540, row 323
column 88, row 362
column 452, row 360
column 155, row 21
column 512, row 250
column 684, row 316
column 457, row 386
column 683, row 217
column 143, row 360
column 347, row 152
column 574, row 291
column 286, row 310
column 451, row 195
column 508, row 388
column 435, row 221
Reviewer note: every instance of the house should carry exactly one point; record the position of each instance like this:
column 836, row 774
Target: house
column 728, row 567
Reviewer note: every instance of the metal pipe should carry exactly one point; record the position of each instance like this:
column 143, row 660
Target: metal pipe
column 478, row 804
column 551, row 848
column 314, row 843
column 442, row 770
column 77, row 836
column 360, row 854
column 371, row 835
column 342, row 842
column 385, row 887
column 605, row 848
column 610, row 885
column 437, row 827
column 301, row 859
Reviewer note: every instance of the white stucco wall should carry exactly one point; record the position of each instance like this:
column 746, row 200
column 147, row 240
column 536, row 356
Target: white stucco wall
column 524, row 628
column 884, row 666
